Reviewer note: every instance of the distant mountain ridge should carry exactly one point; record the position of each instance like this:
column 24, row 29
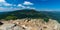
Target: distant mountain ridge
column 30, row 13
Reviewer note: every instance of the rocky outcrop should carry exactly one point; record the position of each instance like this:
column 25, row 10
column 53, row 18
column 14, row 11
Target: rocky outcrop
column 32, row 24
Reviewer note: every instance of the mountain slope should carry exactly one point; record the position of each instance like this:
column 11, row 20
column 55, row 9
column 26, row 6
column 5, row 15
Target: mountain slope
column 25, row 13
column 30, row 13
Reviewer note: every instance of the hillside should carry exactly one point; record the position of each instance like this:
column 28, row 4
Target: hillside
column 25, row 13
column 30, row 13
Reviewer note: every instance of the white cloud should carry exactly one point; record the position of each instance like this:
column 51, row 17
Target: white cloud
column 4, row 3
column 27, row 3
column 2, row 0
column 31, row 8
column 11, row 7
column 2, row 9
column 25, row 7
column 19, row 4
column 28, row 7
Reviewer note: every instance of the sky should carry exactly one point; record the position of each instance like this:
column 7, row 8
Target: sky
column 40, row 5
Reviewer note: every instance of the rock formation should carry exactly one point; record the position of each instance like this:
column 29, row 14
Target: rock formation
column 32, row 24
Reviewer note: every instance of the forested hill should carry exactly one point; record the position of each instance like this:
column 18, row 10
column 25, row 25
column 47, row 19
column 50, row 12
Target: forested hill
column 29, row 13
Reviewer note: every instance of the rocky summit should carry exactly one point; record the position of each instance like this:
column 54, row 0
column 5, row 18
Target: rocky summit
column 32, row 24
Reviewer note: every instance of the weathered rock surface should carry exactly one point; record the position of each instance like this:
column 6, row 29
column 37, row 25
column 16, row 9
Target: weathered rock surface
column 32, row 24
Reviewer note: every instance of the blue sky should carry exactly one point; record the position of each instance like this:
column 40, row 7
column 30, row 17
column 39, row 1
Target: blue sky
column 41, row 5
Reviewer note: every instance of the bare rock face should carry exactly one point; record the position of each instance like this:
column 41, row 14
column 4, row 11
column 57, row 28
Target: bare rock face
column 32, row 24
